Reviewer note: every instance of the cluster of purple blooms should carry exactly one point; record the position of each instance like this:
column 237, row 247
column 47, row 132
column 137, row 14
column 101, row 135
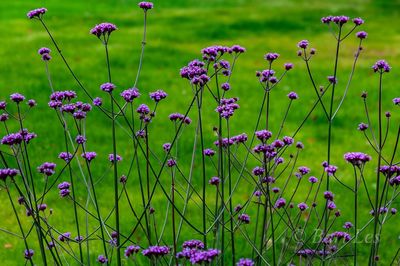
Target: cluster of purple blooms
column 8, row 172
column 381, row 66
column 18, row 138
column 156, row 251
column 244, row 218
column 36, row 13
column 103, row 29
column 180, row 117
column 64, row 237
column 111, row 158
column 131, row 250
column 357, row 158
column 47, row 168
column 227, row 107
column 45, row 53
column 158, row 95
column 89, row 155
column 225, row 142
column 192, row 250
column 146, row 5
column 195, row 72
column 64, row 189
column 66, row 156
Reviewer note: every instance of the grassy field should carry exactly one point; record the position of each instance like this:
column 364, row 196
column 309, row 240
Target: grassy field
column 177, row 31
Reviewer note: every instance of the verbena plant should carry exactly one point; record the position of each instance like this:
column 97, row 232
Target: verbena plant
column 285, row 216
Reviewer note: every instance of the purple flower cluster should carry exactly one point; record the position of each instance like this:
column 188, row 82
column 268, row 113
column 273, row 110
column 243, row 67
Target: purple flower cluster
column 357, row 158
column 158, row 95
column 146, row 5
column 130, row 250
column 396, row 101
column 28, row 253
column 339, row 20
column 244, row 218
column 179, row 117
column 214, row 181
column 104, row 29
column 302, row 206
column 36, row 13
column 17, row 97
column 130, row 94
column 195, row 72
column 156, row 251
column 361, row 34
column 281, row 202
column 381, row 66
column 270, row 57
column 107, row 87
column 18, row 138
column 64, row 189
column 97, row 101
column 64, row 237
column 89, row 155
column 66, row 156
column 330, row 169
column 45, row 53
column 263, row 135
column 245, row 262
column 302, row 44
column 194, row 243
column 47, row 168
column 204, row 256
column 292, row 95
column 102, row 259
column 111, row 158
column 8, row 172
column 209, row 152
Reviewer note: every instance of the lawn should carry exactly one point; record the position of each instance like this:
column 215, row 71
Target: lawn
column 177, row 31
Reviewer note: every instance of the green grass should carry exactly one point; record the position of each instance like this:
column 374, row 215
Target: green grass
column 177, row 31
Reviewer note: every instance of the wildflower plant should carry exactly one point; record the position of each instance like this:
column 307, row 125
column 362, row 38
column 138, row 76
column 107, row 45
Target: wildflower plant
column 258, row 195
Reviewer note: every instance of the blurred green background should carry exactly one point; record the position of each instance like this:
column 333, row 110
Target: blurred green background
column 177, row 31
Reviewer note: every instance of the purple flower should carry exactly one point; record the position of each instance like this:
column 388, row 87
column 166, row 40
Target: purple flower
column 238, row 208
column 302, row 206
column 193, row 244
column 46, row 57
column 304, row 170
column 347, row 225
column 288, row 66
column 143, row 109
column 107, row 87
column 299, row 145
column 330, row 169
column 271, row 57
column 130, row 94
column 292, row 96
column 158, row 95
column 3, row 117
column 204, row 257
column 146, row 5
column 393, row 211
column 171, row 163
column 101, row 259
column 237, row 49
column 361, row 35
column 8, row 172
column 396, row 101
column 28, row 253
column 36, row 13
column 3, row 105
column 358, row 21
column 31, row 103
column 167, row 147
column 195, row 72
column 227, row 107
column 123, row 179
column 80, row 139
column 47, row 168
column 130, row 250
column 226, row 86
column 303, row 44
column 332, row 79
column 17, row 97
column 362, row 126
column 89, row 155
column 328, row 195
column 64, row 237
column 332, row 206
column 281, row 202
column 44, row 50
column 104, row 29
column 381, row 66
column 357, row 158
column 313, row 179
column 340, row 20
column 263, row 135
column 97, row 101
column 209, row 152
column 245, row 262
column 244, row 218
column 214, row 181
column 258, row 171
column 66, row 156
column 156, row 251
column 111, row 158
